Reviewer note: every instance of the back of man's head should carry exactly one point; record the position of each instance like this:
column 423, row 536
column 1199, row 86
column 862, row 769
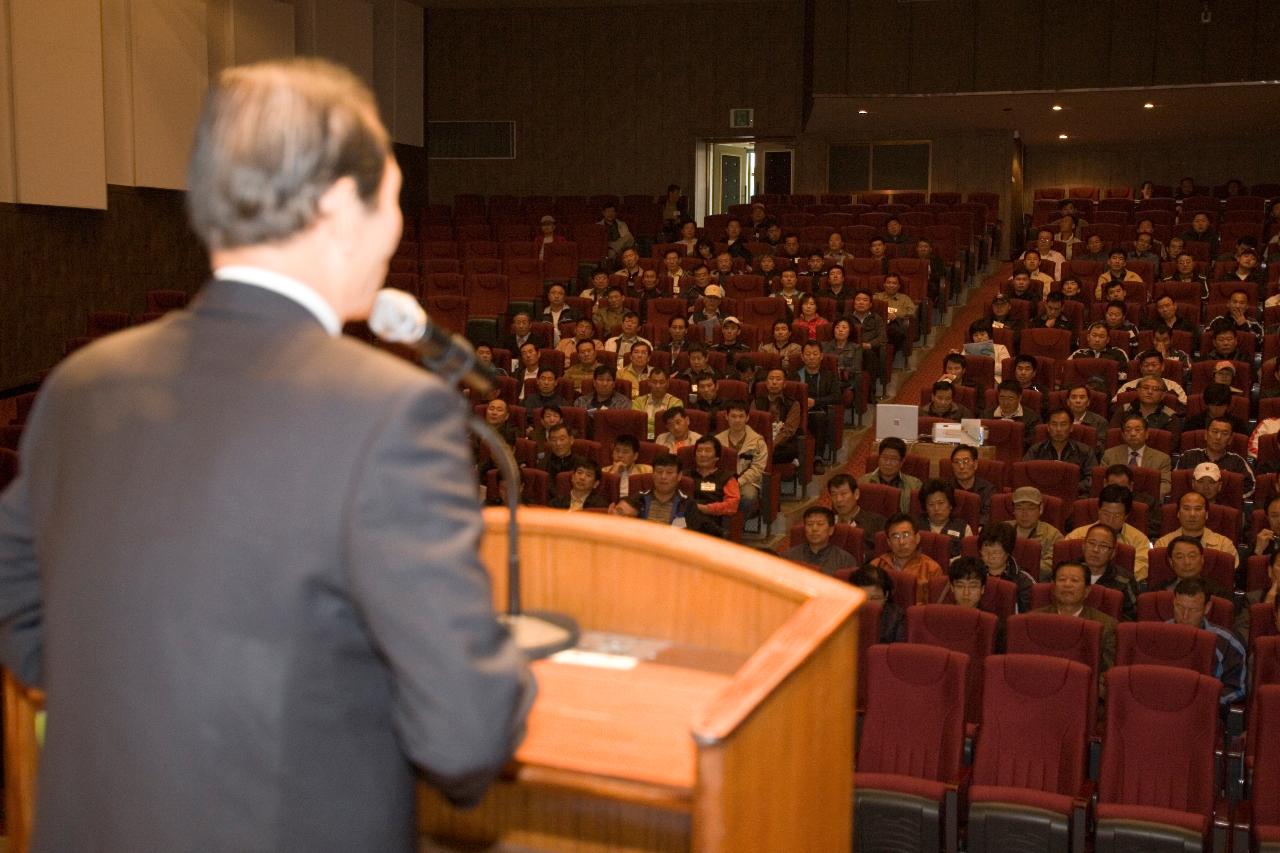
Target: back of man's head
column 271, row 140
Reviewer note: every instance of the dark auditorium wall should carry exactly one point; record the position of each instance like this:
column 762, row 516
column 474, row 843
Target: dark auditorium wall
column 61, row 263
column 1251, row 160
column 875, row 47
column 609, row 97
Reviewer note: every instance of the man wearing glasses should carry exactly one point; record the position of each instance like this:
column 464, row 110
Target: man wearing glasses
column 904, row 554
column 1099, row 552
column 1114, row 505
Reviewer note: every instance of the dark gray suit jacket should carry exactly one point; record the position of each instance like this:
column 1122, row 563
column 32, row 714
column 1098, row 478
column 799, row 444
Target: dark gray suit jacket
column 241, row 560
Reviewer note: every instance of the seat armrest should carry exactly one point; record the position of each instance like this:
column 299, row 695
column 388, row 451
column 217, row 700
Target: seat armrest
column 1220, row 828
column 1241, row 822
column 1081, row 815
column 1235, row 719
column 957, row 793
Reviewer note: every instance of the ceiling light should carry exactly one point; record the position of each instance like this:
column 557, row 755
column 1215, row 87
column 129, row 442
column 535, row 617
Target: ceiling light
column 1062, row 136
column 1148, row 106
column 862, row 112
column 1057, row 108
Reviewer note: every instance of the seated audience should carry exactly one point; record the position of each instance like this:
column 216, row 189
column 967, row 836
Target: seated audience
column 939, row 502
column 942, row 403
column 995, row 548
column 1071, row 581
column 1191, row 607
column 889, row 472
column 875, row 582
column 677, row 433
column 715, row 492
column 817, row 550
column 1115, row 503
column 1099, row 558
column 582, row 493
column 1060, row 446
column 1135, row 452
column 664, row 503
column 1193, row 515
column 753, row 454
column 842, row 491
column 904, row 554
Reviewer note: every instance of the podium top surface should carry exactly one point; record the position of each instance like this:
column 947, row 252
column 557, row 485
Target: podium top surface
column 631, row 725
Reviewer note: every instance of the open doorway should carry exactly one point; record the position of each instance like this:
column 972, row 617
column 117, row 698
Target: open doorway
column 731, row 171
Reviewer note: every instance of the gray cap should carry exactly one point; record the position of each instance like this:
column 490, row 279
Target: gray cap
column 1027, row 495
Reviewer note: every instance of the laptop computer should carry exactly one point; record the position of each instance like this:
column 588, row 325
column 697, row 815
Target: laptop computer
column 897, row 421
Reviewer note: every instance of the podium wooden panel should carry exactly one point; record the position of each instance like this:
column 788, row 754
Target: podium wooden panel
column 738, row 738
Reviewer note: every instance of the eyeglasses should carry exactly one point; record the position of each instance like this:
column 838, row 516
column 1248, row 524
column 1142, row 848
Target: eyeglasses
column 1098, row 546
column 900, row 536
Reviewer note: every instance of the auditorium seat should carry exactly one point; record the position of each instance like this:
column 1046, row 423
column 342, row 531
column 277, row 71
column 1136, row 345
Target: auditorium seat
column 1156, row 788
column 1158, row 607
column 1060, row 479
column 1073, row 549
column 1219, row 567
column 1028, row 789
column 960, row 629
column 1067, row 637
column 1165, row 644
column 999, row 596
column 907, row 783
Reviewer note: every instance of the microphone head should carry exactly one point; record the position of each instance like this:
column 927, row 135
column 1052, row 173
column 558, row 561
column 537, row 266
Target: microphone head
column 397, row 317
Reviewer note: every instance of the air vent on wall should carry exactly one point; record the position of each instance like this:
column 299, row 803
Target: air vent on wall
column 471, row 140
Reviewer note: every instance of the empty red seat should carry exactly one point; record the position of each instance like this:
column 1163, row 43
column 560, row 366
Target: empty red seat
column 961, row 629
column 1165, row 644
column 1028, row 783
column 1066, row 637
column 1157, row 782
column 1060, row 479
column 906, row 784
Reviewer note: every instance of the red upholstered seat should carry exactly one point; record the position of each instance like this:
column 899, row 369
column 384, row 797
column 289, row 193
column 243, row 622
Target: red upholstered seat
column 999, row 596
column 1060, row 479
column 1218, row 567
column 1165, row 644
column 1022, row 771
column 909, row 764
column 1158, row 607
column 1066, row 637
column 961, row 629
column 1157, row 777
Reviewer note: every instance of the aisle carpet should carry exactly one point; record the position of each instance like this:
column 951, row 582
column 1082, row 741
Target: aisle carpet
column 929, row 367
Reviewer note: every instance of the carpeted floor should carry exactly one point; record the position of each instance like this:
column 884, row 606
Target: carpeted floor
column 929, row 366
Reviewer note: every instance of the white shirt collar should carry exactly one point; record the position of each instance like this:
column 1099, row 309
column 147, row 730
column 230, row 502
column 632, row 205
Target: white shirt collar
column 289, row 288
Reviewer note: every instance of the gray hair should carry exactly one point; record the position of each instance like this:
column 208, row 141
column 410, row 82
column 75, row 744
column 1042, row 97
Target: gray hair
column 272, row 139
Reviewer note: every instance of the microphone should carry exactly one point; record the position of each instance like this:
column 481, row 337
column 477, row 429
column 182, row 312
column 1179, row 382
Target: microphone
column 398, row 318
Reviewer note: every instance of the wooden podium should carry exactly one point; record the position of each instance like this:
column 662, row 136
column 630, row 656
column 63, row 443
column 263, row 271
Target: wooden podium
column 732, row 731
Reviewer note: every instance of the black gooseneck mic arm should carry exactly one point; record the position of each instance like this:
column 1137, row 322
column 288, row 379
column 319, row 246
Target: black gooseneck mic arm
column 397, row 317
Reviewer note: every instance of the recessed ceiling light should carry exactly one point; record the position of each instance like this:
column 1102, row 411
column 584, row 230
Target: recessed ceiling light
column 1057, row 108
column 1148, row 106
column 862, row 112
column 1062, row 136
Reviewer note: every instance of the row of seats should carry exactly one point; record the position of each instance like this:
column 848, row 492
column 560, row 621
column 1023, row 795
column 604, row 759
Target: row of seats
column 1221, row 192
column 1159, row 781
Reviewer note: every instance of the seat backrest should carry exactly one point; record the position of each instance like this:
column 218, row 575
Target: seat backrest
column 1061, row 479
column 927, row 743
column 1047, row 755
column 1051, row 635
column 999, row 596
column 1164, row 644
column 1158, row 749
column 1158, row 607
column 1264, row 730
column 1218, row 567
column 868, row 636
column 961, row 629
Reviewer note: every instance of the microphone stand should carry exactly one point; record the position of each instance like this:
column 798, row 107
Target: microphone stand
column 537, row 633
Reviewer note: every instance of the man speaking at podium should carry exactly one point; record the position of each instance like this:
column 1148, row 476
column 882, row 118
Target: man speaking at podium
column 241, row 556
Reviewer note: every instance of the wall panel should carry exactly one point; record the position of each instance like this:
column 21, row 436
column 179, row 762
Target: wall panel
column 56, row 78
column 8, row 175
column 605, row 99
column 341, row 30
column 949, row 22
column 1020, row 45
column 260, row 30
column 170, row 77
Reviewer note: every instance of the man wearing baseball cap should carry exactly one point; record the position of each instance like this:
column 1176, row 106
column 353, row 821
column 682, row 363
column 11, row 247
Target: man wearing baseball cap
column 731, row 335
column 1217, row 440
column 1224, row 373
column 546, row 234
column 1027, row 509
column 708, row 317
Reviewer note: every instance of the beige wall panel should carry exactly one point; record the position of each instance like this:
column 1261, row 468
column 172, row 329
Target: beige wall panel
column 57, row 100
column 340, row 30
column 170, row 76
column 408, row 127
column 261, row 29
column 8, row 179
column 117, row 91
